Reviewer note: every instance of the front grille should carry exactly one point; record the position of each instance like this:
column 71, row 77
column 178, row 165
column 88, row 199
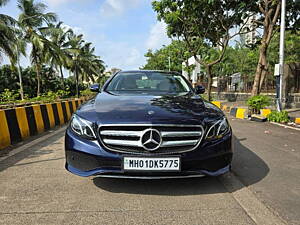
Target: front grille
column 126, row 138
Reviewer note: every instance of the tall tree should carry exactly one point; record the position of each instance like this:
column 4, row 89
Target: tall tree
column 203, row 24
column 19, row 48
column 268, row 15
column 7, row 33
column 177, row 52
column 31, row 20
column 59, row 36
column 82, row 61
column 11, row 43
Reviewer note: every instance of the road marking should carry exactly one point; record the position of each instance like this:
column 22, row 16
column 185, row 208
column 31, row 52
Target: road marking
column 255, row 209
column 32, row 143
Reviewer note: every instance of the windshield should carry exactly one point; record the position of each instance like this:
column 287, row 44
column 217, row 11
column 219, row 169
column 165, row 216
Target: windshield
column 148, row 82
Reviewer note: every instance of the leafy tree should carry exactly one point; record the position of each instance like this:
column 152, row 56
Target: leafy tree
column 203, row 25
column 177, row 52
column 244, row 59
column 267, row 18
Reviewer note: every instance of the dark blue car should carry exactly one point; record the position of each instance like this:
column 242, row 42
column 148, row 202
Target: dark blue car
column 148, row 125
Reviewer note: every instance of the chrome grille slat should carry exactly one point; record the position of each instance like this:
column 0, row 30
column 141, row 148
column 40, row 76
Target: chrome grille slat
column 180, row 134
column 178, row 143
column 121, row 133
column 126, row 138
column 122, row 142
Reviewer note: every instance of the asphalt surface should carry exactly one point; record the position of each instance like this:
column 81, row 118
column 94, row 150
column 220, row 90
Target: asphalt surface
column 264, row 187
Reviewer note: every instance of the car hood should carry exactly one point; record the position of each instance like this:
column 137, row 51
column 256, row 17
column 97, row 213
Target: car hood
column 108, row 108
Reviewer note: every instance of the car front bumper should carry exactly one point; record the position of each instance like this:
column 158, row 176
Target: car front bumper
column 88, row 158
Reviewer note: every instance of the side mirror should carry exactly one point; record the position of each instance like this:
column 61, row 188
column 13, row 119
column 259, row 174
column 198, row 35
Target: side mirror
column 95, row 88
column 199, row 89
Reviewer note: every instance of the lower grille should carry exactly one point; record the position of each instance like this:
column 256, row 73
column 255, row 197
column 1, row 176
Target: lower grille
column 130, row 138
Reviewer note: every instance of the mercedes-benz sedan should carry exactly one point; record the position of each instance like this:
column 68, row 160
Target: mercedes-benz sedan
column 148, row 124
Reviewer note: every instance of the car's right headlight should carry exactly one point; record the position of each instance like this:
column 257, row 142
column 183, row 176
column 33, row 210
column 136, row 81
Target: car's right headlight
column 218, row 129
column 82, row 127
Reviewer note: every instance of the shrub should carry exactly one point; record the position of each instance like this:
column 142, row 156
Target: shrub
column 63, row 93
column 52, row 96
column 279, row 117
column 88, row 93
column 256, row 103
column 8, row 96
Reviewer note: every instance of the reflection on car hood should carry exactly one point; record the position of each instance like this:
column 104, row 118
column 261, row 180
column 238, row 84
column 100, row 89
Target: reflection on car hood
column 107, row 108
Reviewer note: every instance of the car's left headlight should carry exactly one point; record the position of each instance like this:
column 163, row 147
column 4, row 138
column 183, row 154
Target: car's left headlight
column 218, row 129
column 82, row 127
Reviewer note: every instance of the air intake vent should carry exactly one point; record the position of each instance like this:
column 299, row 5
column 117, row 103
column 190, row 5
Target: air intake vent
column 150, row 139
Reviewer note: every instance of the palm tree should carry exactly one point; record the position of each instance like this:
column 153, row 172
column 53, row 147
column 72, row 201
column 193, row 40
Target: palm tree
column 11, row 43
column 7, row 34
column 92, row 65
column 31, row 20
column 19, row 47
column 82, row 61
column 59, row 37
column 74, row 57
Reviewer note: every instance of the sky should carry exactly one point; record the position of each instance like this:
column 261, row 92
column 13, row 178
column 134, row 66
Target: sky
column 121, row 30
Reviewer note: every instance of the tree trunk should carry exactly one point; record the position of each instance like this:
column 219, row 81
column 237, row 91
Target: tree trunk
column 270, row 18
column 263, row 77
column 209, row 83
column 38, row 78
column 20, row 80
column 77, row 85
column 18, row 69
column 259, row 69
column 62, row 77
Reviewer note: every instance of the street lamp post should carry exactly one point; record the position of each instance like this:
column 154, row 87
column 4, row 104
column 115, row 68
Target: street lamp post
column 281, row 55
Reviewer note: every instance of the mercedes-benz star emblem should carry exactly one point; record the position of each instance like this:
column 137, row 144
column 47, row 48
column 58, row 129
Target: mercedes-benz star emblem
column 151, row 139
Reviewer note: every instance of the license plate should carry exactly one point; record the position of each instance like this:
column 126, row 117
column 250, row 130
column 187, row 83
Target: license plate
column 151, row 164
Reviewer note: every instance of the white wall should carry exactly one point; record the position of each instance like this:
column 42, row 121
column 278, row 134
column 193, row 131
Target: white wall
column 196, row 71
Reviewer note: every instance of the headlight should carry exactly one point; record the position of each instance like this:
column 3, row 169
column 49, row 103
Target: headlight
column 82, row 127
column 218, row 129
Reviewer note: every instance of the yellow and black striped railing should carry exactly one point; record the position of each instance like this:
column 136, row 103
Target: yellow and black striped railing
column 19, row 123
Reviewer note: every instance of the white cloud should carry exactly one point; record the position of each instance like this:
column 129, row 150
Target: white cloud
column 57, row 2
column 131, row 56
column 158, row 36
column 116, row 7
column 77, row 30
column 120, row 54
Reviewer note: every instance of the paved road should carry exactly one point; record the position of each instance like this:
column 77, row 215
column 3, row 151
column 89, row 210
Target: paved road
column 263, row 188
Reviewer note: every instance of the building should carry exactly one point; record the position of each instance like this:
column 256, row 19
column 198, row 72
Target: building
column 249, row 38
column 195, row 74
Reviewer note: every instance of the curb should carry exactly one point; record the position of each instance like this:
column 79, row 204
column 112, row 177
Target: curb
column 237, row 112
column 296, row 120
column 242, row 112
column 17, row 124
